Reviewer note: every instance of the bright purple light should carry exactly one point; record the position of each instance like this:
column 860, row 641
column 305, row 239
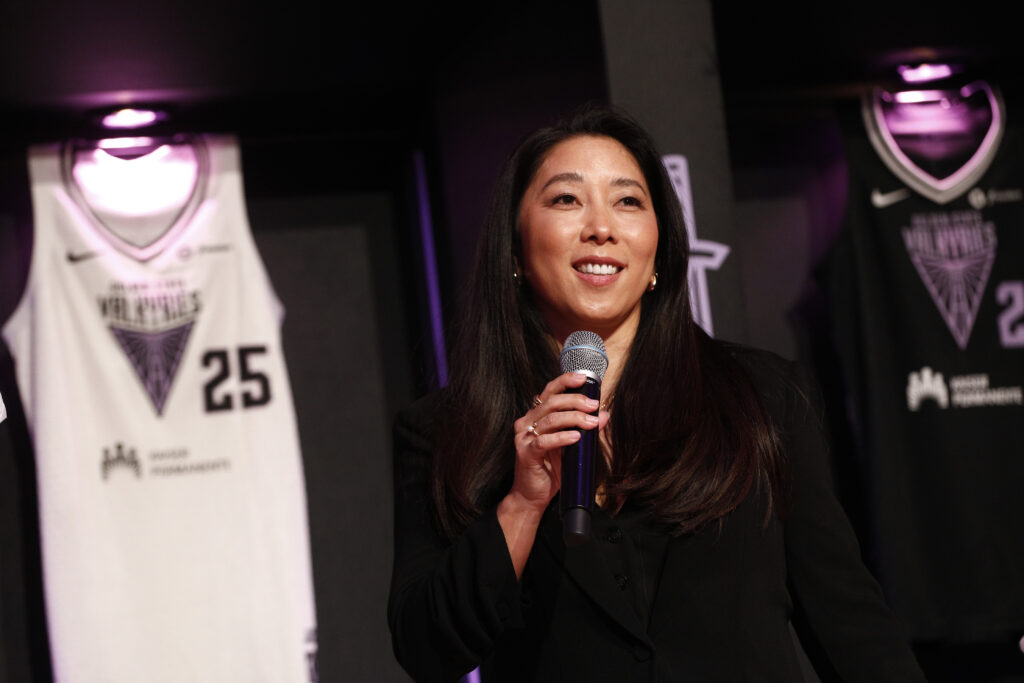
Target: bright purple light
column 130, row 118
column 924, row 73
column 926, row 112
column 920, row 96
column 433, row 283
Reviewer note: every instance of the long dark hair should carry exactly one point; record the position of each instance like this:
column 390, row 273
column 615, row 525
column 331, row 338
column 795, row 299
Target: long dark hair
column 689, row 455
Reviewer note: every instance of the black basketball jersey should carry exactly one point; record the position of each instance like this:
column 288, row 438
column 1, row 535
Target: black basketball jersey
column 926, row 288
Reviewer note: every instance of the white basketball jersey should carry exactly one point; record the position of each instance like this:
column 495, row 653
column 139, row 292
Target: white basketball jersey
column 149, row 362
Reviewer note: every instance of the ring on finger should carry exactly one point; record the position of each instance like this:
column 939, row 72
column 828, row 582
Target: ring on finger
column 537, row 401
column 532, row 429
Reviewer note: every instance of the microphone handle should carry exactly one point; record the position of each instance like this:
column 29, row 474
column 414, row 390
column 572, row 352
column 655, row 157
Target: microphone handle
column 576, row 499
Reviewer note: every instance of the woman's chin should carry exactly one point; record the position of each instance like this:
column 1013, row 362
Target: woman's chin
column 600, row 322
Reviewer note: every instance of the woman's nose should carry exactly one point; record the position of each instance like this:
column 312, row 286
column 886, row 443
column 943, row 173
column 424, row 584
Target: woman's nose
column 599, row 225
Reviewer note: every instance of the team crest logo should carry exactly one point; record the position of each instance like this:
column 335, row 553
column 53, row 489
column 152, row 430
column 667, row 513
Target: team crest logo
column 155, row 357
column 953, row 253
column 152, row 322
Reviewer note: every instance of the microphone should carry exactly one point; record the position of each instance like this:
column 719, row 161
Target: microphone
column 582, row 352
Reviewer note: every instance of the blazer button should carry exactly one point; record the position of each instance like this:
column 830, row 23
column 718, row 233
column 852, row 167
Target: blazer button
column 622, row 580
column 641, row 653
column 614, row 535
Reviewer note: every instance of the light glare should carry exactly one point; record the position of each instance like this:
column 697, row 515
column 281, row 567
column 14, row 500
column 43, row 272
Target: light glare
column 919, row 96
column 924, row 73
column 130, row 118
column 146, row 185
column 124, row 143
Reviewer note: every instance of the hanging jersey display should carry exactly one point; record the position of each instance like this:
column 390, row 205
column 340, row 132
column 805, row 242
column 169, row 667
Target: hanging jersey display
column 148, row 357
column 926, row 286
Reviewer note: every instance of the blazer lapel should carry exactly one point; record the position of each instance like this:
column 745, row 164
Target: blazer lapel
column 587, row 568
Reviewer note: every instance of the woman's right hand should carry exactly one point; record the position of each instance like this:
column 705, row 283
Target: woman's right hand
column 543, row 431
column 540, row 435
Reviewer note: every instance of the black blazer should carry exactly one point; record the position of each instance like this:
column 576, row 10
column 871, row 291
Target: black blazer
column 724, row 602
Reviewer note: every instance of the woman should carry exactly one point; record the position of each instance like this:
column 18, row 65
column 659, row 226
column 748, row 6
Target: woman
column 715, row 521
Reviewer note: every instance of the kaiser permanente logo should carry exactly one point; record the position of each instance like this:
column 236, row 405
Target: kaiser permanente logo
column 962, row 391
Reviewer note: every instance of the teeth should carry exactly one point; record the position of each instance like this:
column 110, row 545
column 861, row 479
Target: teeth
column 597, row 269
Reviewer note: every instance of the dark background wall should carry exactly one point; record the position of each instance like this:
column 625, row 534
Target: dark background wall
column 331, row 106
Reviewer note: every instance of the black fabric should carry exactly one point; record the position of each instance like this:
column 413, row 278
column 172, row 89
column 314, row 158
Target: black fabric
column 633, row 550
column 723, row 604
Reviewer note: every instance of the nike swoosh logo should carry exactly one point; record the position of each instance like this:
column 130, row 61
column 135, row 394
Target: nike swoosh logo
column 83, row 256
column 880, row 199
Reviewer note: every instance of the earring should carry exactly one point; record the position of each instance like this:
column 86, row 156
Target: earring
column 653, row 283
column 515, row 276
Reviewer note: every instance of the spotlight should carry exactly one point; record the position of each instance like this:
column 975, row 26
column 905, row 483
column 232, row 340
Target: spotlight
column 924, row 73
column 129, row 117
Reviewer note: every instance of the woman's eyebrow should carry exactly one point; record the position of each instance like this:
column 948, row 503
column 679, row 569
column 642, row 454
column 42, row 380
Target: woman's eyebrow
column 628, row 182
column 569, row 177
column 574, row 177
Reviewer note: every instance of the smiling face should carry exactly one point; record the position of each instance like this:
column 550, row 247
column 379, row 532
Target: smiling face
column 589, row 235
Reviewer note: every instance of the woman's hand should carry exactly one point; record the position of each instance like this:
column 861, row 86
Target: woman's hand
column 539, row 450
column 540, row 435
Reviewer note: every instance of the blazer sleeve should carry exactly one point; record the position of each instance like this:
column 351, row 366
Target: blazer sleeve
column 843, row 603
column 449, row 602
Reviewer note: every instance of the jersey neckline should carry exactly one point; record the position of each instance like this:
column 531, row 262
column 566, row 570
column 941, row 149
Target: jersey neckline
column 176, row 225
column 945, row 189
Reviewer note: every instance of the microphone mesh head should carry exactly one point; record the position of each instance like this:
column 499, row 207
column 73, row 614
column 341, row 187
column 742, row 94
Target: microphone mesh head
column 584, row 350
